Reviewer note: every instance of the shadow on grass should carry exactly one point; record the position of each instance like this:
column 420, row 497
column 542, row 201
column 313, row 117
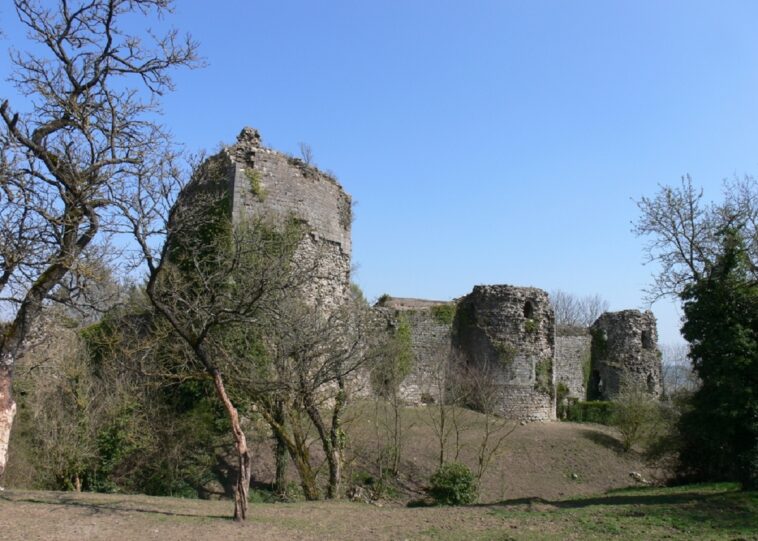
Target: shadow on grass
column 724, row 510
column 100, row 507
column 604, row 440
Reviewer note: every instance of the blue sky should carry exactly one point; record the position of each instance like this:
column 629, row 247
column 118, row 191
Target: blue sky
column 485, row 141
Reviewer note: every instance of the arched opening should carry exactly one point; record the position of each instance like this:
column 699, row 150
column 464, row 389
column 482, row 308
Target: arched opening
column 529, row 310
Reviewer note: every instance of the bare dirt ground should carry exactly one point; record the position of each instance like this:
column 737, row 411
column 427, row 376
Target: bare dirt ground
column 544, row 460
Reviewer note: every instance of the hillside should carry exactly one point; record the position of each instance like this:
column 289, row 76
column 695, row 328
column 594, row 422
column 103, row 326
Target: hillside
column 545, row 460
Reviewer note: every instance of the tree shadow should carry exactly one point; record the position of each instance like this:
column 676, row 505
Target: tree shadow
column 729, row 510
column 118, row 506
column 604, row 440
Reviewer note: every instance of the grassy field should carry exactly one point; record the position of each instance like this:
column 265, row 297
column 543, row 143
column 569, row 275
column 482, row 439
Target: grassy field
column 688, row 512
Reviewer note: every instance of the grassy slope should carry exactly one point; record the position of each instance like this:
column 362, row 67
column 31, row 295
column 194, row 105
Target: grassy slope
column 690, row 512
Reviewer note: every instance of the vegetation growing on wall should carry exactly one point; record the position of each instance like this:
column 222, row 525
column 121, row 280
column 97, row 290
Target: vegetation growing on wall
column 444, row 314
column 543, row 376
column 398, row 362
column 506, row 353
column 531, row 325
column 254, row 177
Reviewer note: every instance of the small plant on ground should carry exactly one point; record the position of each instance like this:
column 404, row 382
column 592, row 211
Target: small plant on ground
column 453, row 484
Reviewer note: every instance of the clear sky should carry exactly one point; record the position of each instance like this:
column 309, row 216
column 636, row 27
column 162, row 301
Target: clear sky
column 485, row 141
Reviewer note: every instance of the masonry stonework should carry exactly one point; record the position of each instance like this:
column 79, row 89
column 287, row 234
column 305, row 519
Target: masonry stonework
column 430, row 343
column 264, row 183
column 505, row 330
column 624, row 352
column 572, row 358
column 509, row 332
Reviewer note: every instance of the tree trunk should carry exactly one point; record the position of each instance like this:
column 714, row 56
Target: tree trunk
column 7, row 411
column 243, row 474
column 280, row 483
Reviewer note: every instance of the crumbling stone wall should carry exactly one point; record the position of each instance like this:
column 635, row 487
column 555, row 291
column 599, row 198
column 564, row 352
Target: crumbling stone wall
column 430, row 344
column 624, row 351
column 572, row 354
column 509, row 333
column 260, row 182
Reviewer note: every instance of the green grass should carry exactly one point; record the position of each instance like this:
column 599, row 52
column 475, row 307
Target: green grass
column 714, row 511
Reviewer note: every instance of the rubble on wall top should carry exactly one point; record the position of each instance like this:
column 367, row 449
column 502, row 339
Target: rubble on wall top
column 249, row 136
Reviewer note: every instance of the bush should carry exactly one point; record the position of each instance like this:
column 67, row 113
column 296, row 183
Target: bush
column 592, row 411
column 636, row 414
column 453, row 484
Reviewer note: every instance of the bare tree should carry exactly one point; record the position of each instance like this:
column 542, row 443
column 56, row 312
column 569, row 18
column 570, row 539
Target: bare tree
column 483, row 393
column 92, row 90
column 312, row 352
column 677, row 370
column 577, row 311
column 211, row 279
column 306, row 153
column 684, row 231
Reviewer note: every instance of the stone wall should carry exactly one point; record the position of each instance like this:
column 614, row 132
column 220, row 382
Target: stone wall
column 268, row 183
column 572, row 353
column 508, row 333
column 430, row 343
column 624, row 351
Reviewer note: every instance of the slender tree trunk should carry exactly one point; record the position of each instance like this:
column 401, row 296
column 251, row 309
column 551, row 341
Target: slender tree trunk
column 243, row 474
column 280, row 484
column 7, row 410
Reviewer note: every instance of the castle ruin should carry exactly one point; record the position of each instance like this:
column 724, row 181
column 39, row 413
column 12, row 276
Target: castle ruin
column 503, row 331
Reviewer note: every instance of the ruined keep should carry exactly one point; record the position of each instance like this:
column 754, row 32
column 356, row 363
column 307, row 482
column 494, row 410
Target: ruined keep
column 264, row 183
column 624, row 352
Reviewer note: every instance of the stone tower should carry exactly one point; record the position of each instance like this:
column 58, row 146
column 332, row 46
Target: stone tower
column 510, row 332
column 624, row 351
column 260, row 182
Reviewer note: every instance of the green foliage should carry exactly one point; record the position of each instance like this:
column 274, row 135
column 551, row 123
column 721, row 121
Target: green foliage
column 543, row 376
column 595, row 411
column 453, row 484
column 586, row 368
column 397, row 364
column 561, row 399
column 720, row 432
column 254, row 177
column 444, row 314
column 636, row 414
column 506, row 353
column 531, row 326
column 383, row 298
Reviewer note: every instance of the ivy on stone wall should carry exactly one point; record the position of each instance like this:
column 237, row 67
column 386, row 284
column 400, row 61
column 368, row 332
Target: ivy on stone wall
column 543, row 376
column 444, row 314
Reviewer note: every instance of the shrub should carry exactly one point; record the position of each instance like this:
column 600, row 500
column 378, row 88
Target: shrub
column 453, row 484
column 636, row 413
column 592, row 411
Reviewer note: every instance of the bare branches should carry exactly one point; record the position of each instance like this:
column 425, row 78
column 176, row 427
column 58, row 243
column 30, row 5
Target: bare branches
column 683, row 230
column 577, row 311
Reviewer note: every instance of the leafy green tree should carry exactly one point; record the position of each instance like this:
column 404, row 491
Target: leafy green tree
column 720, row 432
